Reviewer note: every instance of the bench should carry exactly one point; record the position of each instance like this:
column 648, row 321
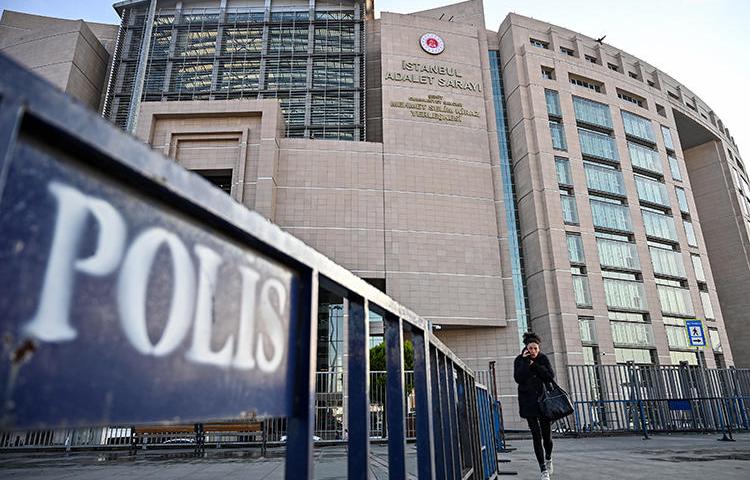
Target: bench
column 162, row 436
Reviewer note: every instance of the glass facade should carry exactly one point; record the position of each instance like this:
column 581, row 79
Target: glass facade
column 511, row 218
column 604, row 179
column 594, row 113
column 611, row 216
column 312, row 61
column 615, row 254
column 624, row 294
column 644, row 158
column 651, row 191
column 667, row 262
column 659, row 225
column 597, row 145
column 637, row 126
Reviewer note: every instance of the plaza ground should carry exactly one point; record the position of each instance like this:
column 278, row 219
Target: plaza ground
column 691, row 456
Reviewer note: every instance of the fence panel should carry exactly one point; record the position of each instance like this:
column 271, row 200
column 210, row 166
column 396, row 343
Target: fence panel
column 650, row 398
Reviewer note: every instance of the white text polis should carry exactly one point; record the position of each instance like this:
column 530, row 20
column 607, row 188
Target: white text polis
column 434, row 75
column 263, row 310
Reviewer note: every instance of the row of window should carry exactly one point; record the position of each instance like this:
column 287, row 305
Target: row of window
column 590, row 59
column 633, row 340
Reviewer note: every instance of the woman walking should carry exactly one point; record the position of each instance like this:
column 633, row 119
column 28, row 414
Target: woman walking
column 531, row 370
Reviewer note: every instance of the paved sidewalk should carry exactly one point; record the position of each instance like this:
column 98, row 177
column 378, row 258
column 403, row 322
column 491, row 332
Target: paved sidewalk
column 685, row 457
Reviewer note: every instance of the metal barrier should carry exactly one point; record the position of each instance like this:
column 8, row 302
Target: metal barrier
column 111, row 257
column 646, row 398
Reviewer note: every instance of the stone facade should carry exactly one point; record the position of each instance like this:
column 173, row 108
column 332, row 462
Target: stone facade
column 73, row 55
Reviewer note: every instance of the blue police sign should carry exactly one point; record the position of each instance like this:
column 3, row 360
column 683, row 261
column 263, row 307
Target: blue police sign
column 122, row 308
column 695, row 333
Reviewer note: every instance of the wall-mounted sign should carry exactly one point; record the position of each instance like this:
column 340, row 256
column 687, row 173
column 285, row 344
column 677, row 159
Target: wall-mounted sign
column 432, row 43
column 436, row 107
column 434, row 75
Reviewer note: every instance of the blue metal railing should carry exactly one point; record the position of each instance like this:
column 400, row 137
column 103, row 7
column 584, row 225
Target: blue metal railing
column 89, row 214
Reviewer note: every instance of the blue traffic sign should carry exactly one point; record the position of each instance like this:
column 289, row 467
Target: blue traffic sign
column 695, row 333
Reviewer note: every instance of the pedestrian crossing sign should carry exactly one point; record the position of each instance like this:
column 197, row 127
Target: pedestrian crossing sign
column 695, row 333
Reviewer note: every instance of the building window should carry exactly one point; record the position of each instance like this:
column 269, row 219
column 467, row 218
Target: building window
column 644, row 158
column 587, row 327
column 674, row 300
column 581, row 288
column 667, row 262
column 674, row 167
column 553, row 103
column 667, row 134
column 567, row 51
column 633, row 75
column 548, row 73
column 558, row 136
column 651, row 191
column 631, row 97
column 659, row 225
column 591, row 112
column 700, row 275
column 613, row 67
column 590, row 59
column 651, row 83
column 632, row 334
column 611, row 216
column 624, row 294
column 679, row 357
column 690, row 233
column 575, row 248
column 597, row 145
column 539, row 43
column 713, row 336
column 569, row 210
column 708, row 309
column 617, row 254
column 604, row 178
column 637, row 356
column 660, row 110
column 562, row 165
column 682, row 199
column 587, row 83
column 638, row 126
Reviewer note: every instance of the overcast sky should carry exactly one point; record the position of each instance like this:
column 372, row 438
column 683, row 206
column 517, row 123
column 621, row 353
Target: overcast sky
column 704, row 44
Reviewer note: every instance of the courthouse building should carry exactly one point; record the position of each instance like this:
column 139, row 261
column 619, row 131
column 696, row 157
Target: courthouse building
column 493, row 182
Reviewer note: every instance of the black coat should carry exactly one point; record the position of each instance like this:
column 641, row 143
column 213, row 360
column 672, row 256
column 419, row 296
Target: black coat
column 530, row 377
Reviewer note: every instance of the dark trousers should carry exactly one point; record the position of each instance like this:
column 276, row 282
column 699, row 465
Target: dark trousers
column 540, row 433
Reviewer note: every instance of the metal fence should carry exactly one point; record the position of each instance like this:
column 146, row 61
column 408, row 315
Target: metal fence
column 88, row 213
column 646, row 398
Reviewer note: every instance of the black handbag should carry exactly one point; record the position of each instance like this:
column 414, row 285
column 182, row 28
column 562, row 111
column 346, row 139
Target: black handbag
column 554, row 402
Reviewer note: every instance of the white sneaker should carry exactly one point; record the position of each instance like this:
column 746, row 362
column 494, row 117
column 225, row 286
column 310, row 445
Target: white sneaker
column 545, row 475
column 548, row 465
